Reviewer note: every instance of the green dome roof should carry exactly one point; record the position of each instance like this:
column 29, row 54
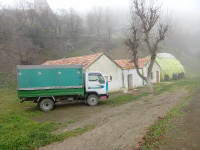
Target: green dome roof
column 168, row 65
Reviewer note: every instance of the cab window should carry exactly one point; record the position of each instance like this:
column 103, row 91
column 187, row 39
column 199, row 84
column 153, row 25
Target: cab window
column 92, row 77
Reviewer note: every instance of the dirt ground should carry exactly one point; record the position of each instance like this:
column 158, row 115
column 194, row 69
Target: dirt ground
column 117, row 128
column 183, row 132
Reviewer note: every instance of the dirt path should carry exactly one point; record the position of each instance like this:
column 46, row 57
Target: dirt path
column 184, row 131
column 119, row 127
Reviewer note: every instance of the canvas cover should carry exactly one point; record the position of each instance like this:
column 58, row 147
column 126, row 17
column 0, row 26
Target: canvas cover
column 168, row 65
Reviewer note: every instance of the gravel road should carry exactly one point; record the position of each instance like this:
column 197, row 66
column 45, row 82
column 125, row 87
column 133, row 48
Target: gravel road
column 117, row 128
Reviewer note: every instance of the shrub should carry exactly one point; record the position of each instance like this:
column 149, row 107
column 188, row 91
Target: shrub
column 167, row 77
column 181, row 75
column 175, row 76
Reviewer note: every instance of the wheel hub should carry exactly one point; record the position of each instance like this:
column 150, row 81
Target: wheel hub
column 93, row 100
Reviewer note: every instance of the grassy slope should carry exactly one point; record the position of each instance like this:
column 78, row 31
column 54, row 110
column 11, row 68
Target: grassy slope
column 18, row 131
column 116, row 50
column 155, row 135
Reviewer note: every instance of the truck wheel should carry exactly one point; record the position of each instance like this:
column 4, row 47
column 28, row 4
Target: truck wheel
column 46, row 104
column 92, row 100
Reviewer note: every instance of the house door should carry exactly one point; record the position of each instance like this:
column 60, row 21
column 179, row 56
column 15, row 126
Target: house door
column 130, row 81
column 157, row 77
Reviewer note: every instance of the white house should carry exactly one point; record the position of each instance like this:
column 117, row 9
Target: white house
column 123, row 72
column 96, row 62
column 155, row 75
column 130, row 77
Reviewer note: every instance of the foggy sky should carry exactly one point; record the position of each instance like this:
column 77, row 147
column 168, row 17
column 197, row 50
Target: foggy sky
column 189, row 6
column 186, row 13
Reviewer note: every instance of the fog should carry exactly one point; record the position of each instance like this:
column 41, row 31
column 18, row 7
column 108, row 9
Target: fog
column 182, row 41
column 185, row 12
column 184, row 37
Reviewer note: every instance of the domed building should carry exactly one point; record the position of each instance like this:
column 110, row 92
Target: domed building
column 169, row 66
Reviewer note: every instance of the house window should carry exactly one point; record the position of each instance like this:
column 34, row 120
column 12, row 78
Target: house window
column 151, row 75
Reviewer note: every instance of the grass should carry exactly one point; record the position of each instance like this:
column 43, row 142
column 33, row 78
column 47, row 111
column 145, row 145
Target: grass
column 122, row 99
column 155, row 135
column 6, row 80
column 71, row 121
column 19, row 131
column 77, row 131
column 188, row 83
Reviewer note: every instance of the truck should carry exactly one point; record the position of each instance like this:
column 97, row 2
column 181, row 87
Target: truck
column 49, row 84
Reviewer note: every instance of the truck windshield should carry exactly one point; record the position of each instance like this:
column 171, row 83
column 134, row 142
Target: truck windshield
column 96, row 77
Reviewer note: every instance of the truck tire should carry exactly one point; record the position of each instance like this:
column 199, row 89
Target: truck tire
column 92, row 100
column 46, row 104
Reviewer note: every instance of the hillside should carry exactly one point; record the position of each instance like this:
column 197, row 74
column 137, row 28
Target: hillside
column 114, row 48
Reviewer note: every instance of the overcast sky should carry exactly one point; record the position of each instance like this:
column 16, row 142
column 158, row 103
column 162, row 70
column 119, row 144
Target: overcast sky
column 82, row 5
column 85, row 5
column 186, row 12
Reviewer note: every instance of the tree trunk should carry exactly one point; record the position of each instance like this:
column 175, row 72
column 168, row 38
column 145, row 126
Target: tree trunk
column 149, row 84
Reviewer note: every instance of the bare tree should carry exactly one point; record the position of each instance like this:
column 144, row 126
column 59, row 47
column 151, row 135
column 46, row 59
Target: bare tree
column 95, row 20
column 110, row 22
column 90, row 20
column 147, row 29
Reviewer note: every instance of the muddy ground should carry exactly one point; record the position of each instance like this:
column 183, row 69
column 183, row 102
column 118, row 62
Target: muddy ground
column 117, row 128
column 183, row 132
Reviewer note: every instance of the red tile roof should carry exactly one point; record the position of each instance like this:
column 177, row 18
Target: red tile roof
column 128, row 63
column 84, row 60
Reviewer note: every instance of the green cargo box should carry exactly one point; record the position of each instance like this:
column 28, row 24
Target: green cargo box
column 49, row 80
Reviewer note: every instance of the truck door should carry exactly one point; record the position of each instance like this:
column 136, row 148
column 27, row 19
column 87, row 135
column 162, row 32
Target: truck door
column 96, row 83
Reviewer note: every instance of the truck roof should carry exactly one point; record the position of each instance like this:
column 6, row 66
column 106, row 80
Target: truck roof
column 48, row 66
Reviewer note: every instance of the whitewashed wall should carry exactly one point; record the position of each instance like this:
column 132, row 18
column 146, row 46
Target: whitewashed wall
column 155, row 68
column 108, row 67
column 120, row 77
column 137, row 80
